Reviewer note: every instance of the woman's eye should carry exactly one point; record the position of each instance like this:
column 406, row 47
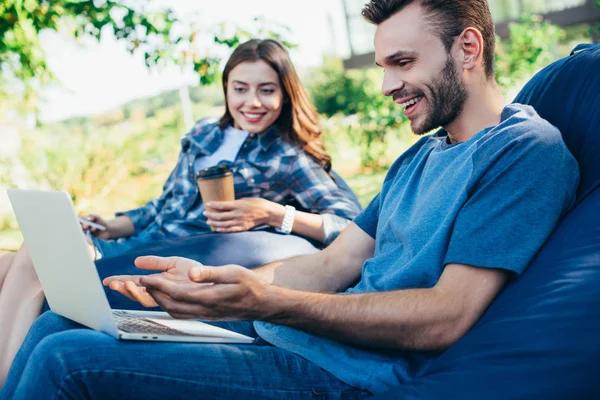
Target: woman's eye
column 239, row 89
column 268, row 91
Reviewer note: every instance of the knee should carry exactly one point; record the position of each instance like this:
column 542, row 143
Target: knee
column 50, row 322
column 61, row 354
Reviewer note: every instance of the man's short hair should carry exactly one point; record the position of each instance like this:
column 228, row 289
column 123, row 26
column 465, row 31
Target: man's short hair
column 447, row 20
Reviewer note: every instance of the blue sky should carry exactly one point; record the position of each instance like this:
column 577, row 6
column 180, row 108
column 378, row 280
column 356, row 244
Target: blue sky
column 97, row 77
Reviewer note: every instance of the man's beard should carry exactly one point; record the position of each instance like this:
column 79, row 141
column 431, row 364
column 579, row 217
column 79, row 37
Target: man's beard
column 447, row 96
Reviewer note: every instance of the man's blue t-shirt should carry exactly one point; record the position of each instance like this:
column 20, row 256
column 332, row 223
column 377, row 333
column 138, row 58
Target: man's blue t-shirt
column 489, row 202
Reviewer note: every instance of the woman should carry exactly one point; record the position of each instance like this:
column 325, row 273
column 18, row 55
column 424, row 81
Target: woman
column 270, row 137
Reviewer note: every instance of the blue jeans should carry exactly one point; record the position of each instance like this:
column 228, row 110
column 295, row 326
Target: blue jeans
column 113, row 248
column 61, row 359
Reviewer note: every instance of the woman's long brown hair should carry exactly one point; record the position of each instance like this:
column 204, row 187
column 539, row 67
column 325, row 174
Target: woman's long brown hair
column 299, row 121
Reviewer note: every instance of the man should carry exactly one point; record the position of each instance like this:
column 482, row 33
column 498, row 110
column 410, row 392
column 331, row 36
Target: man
column 460, row 213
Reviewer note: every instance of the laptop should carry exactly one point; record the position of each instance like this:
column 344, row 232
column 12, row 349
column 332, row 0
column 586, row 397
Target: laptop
column 71, row 282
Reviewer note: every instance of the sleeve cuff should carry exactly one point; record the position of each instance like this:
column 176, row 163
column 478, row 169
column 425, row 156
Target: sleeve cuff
column 139, row 217
column 333, row 225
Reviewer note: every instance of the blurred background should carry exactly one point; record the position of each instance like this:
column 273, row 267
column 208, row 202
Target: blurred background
column 95, row 94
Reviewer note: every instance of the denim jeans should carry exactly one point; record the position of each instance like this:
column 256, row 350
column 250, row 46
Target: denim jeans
column 113, row 248
column 61, row 359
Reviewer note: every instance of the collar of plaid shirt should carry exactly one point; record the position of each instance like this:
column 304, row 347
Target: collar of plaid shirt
column 205, row 138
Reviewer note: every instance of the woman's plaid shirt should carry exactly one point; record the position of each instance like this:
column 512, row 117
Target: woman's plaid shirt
column 266, row 166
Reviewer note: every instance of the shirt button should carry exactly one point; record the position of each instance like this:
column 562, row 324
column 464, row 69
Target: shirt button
column 251, row 180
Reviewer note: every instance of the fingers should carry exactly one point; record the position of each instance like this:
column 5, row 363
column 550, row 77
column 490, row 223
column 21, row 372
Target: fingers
column 224, row 274
column 179, row 309
column 222, row 205
column 84, row 226
column 231, row 230
column 121, row 278
column 194, row 300
column 120, row 288
column 139, row 294
column 158, row 282
column 223, row 224
column 156, row 263
column 221, row 216
column 134, row 292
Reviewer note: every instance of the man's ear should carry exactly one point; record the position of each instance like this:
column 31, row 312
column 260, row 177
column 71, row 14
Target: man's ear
column 471, row 48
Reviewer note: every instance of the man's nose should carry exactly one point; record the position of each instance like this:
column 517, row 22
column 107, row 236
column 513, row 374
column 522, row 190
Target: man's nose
column 391, row 84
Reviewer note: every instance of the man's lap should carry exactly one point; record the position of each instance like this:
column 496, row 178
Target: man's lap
column 85, row 358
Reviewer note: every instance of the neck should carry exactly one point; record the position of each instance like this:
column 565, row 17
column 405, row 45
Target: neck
column 481, row 110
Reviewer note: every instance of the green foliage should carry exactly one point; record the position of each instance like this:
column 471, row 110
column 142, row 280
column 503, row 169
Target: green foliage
column 531, row 45
column 334, row 90
column 379, row 121
column 21, row 21
column 356, row 92
column 262, row 28
column 151, row 33
column 598, row 26
column 231, row 36
column 126, row 167
column 154, row 106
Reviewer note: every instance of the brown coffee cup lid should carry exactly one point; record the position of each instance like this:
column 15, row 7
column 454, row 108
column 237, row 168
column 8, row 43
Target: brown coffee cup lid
column 213, row 172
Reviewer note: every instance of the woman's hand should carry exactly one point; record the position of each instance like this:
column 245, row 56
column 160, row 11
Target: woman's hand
column 100, row 234
column 243, row 214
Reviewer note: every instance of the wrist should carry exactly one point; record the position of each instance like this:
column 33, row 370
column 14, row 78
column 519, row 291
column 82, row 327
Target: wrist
column 276, row 214
column 287, row 224
column 111, row 229
column 281, row 301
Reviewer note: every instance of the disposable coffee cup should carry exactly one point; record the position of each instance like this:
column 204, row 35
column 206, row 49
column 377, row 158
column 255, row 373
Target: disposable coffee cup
column 216, row 184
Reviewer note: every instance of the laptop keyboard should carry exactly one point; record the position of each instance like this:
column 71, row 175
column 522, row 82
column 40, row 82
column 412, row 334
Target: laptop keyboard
column 135, row 324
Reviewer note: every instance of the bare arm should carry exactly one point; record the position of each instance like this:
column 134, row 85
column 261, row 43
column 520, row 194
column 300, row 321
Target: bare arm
column 247, row 213
column 305, row 224
column 121, row 226
column 419, row 319
column 423, row 319
column 331, row 270
column 299, row 292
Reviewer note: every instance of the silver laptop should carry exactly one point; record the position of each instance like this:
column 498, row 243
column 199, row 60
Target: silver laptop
column 71, row 282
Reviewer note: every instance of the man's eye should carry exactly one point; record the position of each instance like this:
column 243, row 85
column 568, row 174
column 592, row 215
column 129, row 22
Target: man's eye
column 403, row 63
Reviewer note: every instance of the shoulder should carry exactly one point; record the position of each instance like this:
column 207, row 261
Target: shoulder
column 521, row 124
column 418, row 150
column 202, row 126
column 522, row 133
column 526, row 143
column 282, row 148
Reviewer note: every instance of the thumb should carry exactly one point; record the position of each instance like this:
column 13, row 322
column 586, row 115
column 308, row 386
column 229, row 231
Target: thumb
column 224, row 274
column 156, row 263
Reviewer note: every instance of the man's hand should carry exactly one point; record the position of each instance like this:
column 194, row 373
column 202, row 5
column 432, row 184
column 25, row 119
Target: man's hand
column 243, row 214
column 212, row 293
column 173, row 269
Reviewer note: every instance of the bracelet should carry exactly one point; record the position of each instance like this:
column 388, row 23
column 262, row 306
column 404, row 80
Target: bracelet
column 288, row 220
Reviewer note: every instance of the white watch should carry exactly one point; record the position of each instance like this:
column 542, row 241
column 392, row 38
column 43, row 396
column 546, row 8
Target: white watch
column 288, row 220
